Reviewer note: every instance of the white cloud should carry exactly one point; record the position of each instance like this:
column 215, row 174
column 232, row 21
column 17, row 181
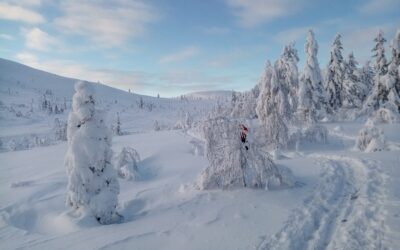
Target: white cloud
column 254, row 12
column 181, row 55
column 6, row 37
column 297, row 35
column 36, row 38
column 115, row 78
column 108, row 23
column 360, row 40
column 217, row 30
column 380, row 6
column 19, row 13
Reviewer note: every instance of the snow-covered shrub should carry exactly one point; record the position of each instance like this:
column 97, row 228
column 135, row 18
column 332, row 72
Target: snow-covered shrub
column 383, row 115
column 156, row 126
column 231, row 165
column 185, row 122
column 92, row 181
column 370, row 139
column 126, row 164
column 316, row 134
column 313, row 133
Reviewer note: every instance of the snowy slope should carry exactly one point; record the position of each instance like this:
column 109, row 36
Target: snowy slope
column 22, row 89
column 343, row 198
column 221, row 94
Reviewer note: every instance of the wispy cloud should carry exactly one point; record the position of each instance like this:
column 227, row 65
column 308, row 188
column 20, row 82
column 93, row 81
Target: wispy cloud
column 107, row 23
column 20, row 13
column 181, row 55
column 380, row 6
column 168, row 84
column 6, row 37
column 232, row 57
column 116, row 78
column 297, row 35
column 36, row 38
column 251, row 13
column 217, row 30
column 360, row 40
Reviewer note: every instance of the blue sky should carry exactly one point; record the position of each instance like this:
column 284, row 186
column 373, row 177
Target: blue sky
column 174, row 47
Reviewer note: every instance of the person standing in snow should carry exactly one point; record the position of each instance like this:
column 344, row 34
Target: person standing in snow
column 243, row 135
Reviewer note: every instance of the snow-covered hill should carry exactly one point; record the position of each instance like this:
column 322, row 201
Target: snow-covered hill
column 23, row 90
column 221, row 94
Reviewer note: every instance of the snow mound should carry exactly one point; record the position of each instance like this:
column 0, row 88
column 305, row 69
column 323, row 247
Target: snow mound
column 371, row 139
column 126, row 164
column 231, row 165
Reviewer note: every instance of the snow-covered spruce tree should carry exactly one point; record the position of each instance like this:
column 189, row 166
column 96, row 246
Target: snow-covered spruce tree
column 126, row 164
column 231, row 165
column 92, row 183
column 117, row 127
column 287, row 64
column 395, row 63
column 393, row 74
column 353, row 90
column 312, row 98
column 367, row 78
column 284, row 80
column 272, row 109
column 265, row 95
column 379, row 93
column 335, row 75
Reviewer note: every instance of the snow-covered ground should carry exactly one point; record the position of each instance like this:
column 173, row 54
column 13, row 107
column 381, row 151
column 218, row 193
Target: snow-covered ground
column 342, row 199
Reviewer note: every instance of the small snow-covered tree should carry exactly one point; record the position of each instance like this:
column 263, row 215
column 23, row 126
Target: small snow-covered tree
column 117, row 126
column 353, row 90
column 126, row 164
column 335, row 75
column 231, row 165
column 92, row 182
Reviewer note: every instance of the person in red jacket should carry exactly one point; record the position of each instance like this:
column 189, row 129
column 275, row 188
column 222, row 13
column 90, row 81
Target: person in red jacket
column 243, row 135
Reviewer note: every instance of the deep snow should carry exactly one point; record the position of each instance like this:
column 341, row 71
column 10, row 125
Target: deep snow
column 342, row 199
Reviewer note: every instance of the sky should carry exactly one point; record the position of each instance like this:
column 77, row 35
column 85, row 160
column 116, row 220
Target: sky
column 173, row 47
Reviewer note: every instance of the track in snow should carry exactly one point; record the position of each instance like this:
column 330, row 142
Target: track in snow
column 344, row 212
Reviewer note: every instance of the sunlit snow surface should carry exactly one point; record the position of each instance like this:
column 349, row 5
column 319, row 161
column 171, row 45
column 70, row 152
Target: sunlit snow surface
column 343, row 198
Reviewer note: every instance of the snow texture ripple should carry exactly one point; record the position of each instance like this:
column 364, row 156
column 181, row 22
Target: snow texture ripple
column 345, row 212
